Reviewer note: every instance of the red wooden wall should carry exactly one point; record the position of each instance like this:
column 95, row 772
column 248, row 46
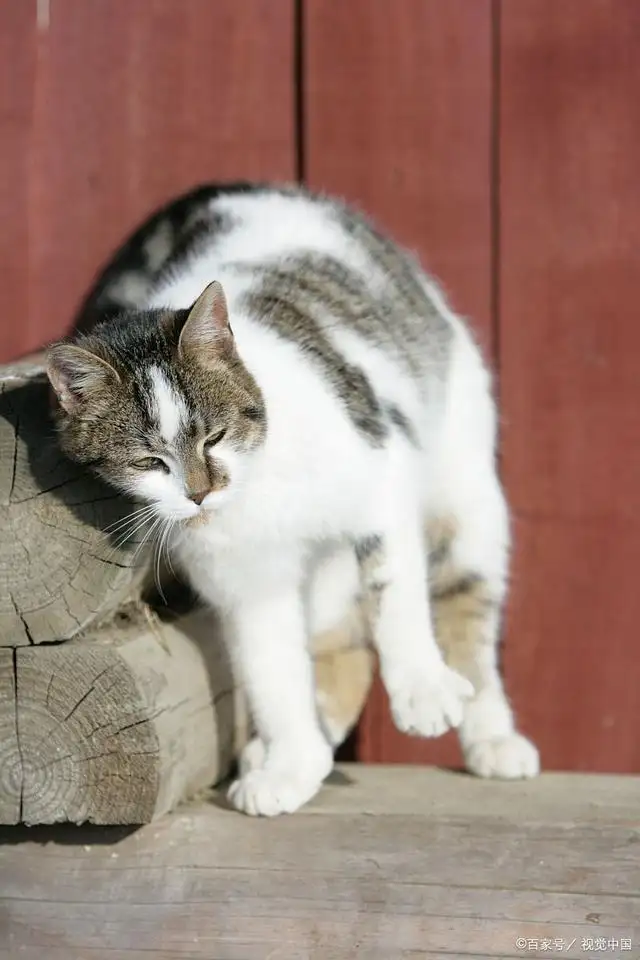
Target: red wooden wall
column 569, row 357
column 500, row 140
column 108, row 108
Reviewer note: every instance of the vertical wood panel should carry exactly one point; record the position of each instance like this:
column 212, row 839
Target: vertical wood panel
column 397, row 118
column 570, row 372
column 133, row 102
column 17, row 89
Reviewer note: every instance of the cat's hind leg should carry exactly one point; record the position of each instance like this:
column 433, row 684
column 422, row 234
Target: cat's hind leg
column 468, row 545
column 466, row 600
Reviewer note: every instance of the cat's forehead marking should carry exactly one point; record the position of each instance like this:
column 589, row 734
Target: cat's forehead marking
column 168, row 406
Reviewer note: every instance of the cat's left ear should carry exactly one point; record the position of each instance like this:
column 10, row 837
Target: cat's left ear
column 206, row 333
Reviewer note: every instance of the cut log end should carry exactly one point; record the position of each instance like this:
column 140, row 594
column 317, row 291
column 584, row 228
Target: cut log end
column 10, row 761
column 119, row 728
column 59, row 570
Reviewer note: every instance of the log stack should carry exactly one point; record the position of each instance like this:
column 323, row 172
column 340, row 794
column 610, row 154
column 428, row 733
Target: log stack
column 113, row 707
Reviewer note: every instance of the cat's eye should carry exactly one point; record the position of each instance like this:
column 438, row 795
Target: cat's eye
column 151, row 463
column 214, row 438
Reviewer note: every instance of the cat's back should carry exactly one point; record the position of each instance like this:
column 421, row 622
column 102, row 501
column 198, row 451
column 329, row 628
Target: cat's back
column 299, row 240
column 296, row 267
column 241, row 230
column 319, row 257
column 273, row 223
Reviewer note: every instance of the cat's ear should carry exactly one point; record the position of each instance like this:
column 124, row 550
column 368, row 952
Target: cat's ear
column 206, row 332
column 78, row 376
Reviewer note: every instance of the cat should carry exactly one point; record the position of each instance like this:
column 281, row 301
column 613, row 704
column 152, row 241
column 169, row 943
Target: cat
column 294, row 397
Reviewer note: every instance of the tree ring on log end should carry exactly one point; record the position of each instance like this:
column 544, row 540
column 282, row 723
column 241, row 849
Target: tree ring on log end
column 88, row 749
column 59, row 570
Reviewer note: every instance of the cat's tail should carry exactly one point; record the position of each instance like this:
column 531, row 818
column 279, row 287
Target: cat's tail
column 159, row 243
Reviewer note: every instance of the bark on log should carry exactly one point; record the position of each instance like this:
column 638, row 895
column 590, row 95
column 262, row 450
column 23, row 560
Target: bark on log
column 59, row 571
column 121, row 725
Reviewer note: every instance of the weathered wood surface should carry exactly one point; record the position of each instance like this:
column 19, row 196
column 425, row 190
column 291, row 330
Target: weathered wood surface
column 59, row 570
column 123, row 724
column 119, row 726
column 9, row 788
column 386, row 863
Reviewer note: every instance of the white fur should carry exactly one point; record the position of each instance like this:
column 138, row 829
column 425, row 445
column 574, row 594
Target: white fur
column 169, row 407
column 267, row 226
column 272, row 556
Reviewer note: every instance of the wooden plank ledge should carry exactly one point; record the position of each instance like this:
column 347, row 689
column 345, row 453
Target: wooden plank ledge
column 388, row 862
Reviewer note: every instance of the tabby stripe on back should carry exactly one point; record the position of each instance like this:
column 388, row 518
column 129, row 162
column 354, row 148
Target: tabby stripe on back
column 351, row 385
column 158, row 248
column 313, row 287
column 400, row 271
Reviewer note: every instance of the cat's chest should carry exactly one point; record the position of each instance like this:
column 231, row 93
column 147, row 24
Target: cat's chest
column 224, row 568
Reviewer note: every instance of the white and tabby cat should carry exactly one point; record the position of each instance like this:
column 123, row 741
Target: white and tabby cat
column 292, row 393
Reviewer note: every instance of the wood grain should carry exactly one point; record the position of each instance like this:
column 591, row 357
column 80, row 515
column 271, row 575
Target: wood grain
column 387, row 863
column 398, row 119
column 122, row 725
column 59, row 570
column 569, row 346
column 11, row 772
column 113, row 108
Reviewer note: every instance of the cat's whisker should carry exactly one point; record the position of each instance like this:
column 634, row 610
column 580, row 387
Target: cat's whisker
column 133, row 513
column 160, row 544
column 146, row 539
column 125, row 536
column 128, row 534
column 140, row 526
column 127, row 530
column 172, row 524
column 129, row 518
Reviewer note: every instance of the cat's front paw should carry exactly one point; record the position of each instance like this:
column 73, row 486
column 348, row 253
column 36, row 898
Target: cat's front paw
column 511, row 757
column 283, row 782
column 427, row 703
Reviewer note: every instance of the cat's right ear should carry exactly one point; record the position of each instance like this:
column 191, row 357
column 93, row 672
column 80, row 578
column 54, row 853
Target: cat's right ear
column 206, row 333
column 77, row 375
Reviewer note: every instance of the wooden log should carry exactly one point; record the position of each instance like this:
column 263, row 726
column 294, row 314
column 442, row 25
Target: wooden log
column 59, row 571
column 10, row 768
column 121, row 725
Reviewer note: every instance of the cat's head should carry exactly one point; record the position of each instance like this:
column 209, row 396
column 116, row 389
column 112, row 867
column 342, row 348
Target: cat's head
column 160, row 405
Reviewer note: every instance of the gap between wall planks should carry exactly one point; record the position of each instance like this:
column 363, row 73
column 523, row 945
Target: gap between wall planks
column 398, row 118
column 110, row 108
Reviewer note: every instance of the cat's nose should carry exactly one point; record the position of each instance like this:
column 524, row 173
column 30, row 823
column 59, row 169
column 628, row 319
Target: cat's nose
column 199, row 496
